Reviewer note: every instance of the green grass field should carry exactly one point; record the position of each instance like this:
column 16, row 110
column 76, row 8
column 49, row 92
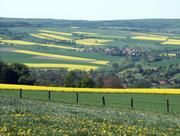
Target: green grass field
column 142, row 102
column 35, row 117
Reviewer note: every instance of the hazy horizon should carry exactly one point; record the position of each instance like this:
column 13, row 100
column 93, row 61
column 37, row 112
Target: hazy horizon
column 90, row 9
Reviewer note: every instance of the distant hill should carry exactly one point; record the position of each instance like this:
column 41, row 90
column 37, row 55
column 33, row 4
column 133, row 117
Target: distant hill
column 164, row 25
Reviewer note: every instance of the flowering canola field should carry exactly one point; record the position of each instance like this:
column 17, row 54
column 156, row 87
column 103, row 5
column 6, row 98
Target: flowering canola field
column 101, row 62
column 150, row 38
column 66, row 66
column 89, row 90
column 21, row 42
column 172, row 42
column 53, row 37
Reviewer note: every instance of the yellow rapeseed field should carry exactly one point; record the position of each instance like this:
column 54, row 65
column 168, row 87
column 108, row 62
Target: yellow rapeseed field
column 55, row 32
column 92, row 41
column 39, row 36
column 53, row 55
column 20, row 42
column 52, row 36
column 115, row 37
column 101, row 62
column 89, row 90
column 150, row 38
column 172, row 42
column 70, row 58
column 169, row 54
column 66, row 66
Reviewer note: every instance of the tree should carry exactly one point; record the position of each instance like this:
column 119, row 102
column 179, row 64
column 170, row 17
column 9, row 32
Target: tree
column 87, row 82
column 99, row 81
column 142, row 84
column 71, row 79
column 21, row 69
column 112, row 81
column 26, row 80
column 115, row 66
column 8, row 75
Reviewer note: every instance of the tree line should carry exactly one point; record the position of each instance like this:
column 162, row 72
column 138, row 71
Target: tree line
column 20, row 74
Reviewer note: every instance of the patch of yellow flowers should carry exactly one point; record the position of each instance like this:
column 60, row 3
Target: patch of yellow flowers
column 66, row 66
column 69, row 125
column 172, row 42
column 52, row 36
column 89, row 90
column 20, row 42
column 150, row 38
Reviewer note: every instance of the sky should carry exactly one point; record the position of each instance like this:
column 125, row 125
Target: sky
column 90, row 9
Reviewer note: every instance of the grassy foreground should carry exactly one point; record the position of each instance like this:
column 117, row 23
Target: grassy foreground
column 143, row 102
column 27, row 117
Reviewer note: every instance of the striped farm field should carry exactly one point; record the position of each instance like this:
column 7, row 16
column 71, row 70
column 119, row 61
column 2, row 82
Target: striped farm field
column 21, row 42
column 55, row 32
column 89, row 90
column 48, row 36
column 66, row 66
column 70, row 58
column 172, row 42
column 54, row 37
column 150, row 38
column 39, row 36
column 92, row 42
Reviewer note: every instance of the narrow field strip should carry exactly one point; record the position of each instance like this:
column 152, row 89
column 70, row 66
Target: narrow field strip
column 53, row 55
column 88, row 90
column 150, row 38
column 52, row 36
column 21, row 42
column 55, row 32
column 71, row 58
column 172, row 42
column 92, row 42
column 66, row 66
column 112, row 37
column 39, row 36
column 146, row 34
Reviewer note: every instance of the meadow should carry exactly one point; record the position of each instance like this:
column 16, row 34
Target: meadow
column 34, row 113
column 34, row 117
